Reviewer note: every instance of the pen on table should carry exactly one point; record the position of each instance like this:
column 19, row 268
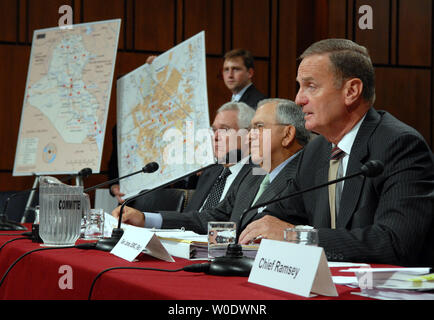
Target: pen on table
column 256, row 239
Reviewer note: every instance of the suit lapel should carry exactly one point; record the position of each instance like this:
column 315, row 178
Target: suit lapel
column 203, row 190
column 359, row 154
column 322, row 195
column 245, row 97
column 245, row 195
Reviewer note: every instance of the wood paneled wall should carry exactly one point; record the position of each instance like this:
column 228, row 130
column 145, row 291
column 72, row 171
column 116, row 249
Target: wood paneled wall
column 276, row 31
column 401, row 48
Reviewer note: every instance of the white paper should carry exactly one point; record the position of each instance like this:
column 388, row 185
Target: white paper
column 413, row 271
column 131, row 244
column 391, row 294
column 135, row 240
column 352, row 281
column 333, row 264
column 391, row 278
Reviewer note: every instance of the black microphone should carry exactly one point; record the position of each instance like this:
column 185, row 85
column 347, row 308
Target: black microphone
column 234, row 263
column 371, row 168
column 107, row 244
column 84, row 173
column 149, row 168
column 5, row 224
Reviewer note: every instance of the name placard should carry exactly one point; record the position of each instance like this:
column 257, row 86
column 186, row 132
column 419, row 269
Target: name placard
column 293, row 268
column 136, row 240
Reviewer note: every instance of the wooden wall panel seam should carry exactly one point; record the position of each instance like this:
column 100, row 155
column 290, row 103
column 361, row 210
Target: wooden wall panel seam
column 17, row 39
column 125, row 23
column 27, row 22
column 133, row 31
column 270, row 44
column 431, row 143
column 397, row 32
column 390, row 33
column 82, row 12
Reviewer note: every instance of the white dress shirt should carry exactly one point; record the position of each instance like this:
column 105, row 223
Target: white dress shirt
column 237, row 97
column 346, row 144
column 155, row 220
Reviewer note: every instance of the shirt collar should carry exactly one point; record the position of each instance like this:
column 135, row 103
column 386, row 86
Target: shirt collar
column 347, row 141
column 237, row 97
column 237, row 167
column 279, row 168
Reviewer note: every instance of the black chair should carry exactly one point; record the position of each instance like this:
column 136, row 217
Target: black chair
column 16, row 206
column 188, row 195
column 160, row 200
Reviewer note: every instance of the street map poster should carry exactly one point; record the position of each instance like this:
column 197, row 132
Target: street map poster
column 163, row 117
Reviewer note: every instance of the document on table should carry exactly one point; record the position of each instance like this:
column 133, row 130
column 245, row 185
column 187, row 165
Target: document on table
column 178, row 242
column 190, row 245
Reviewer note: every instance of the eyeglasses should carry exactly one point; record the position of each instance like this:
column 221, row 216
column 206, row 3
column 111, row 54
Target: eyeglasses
column 227, row 130
column 261, row 126
column 223, row 130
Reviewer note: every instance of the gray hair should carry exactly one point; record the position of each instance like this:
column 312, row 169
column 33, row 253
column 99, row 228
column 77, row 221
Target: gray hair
column 348, row 60
column 245, row 112
column 287, row 112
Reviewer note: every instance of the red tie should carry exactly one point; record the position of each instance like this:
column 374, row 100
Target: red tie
column 337, row 153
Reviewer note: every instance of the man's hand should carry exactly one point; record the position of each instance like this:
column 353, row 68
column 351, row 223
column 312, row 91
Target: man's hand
column 268, row 227
column 130, row 215
column 150, row 59
column 116, row 190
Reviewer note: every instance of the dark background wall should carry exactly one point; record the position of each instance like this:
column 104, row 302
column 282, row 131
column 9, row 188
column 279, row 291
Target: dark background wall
column 276, row 31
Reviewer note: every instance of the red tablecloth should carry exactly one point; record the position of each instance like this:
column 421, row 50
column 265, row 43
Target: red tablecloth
column 41, row 275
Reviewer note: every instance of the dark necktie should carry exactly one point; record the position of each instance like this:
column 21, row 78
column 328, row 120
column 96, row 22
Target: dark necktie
column 217, row 190
column 335, row 171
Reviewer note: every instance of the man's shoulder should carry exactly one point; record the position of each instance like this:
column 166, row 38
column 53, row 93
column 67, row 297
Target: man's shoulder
column 252, row 96
column 390, row 126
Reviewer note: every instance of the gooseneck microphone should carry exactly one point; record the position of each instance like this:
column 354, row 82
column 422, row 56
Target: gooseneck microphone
column 149, row 168
column 371, row 168
column 107, row 244
column 5, row 224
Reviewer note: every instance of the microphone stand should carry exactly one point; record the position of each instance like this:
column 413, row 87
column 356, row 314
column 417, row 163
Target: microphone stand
column 113, row 180
column 369, row 169
column 302, row 191
column 107, row 244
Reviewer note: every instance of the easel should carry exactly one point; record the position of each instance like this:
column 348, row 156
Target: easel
column 29, row 208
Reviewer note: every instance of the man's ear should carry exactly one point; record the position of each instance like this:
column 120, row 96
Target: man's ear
column 289, row 136
column 251, row 73
column 352, row 90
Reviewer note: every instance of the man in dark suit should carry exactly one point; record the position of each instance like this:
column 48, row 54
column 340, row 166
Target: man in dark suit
column 276, row 138
column 238, row 72
column 386, row 219
column 231, row 123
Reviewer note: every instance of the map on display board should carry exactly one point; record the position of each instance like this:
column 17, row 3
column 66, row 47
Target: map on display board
column 163, row 117
column 66, row 99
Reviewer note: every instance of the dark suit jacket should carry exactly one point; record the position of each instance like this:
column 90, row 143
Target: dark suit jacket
column 238, row 199
column 206, row 181
column 252, row 96
column 387, row 219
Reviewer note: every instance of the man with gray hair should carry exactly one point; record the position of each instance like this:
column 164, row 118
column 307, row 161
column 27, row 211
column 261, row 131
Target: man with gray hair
column 276, row 147
column 384, row 219
column 230, row 128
